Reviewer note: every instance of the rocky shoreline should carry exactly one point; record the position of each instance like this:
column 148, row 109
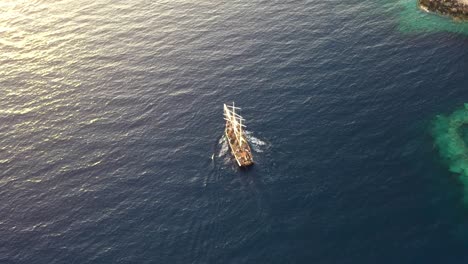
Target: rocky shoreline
column 458, row 9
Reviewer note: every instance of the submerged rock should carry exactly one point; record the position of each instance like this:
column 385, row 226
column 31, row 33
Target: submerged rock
column 458, row 9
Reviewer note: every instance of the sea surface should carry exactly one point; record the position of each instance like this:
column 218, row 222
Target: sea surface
column 112, row 147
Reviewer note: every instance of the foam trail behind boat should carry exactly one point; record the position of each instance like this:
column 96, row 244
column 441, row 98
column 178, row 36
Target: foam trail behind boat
column 258, row 145
column 224, row 147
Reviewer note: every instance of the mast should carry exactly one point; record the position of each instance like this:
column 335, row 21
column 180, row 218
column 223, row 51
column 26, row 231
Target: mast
column 236, row 126
column 235, row 120
column 236, row 139
column 240, row 132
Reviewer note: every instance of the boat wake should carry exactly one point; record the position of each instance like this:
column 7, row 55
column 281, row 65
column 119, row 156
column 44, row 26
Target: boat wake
column 222, row 151
column 224, row 147
column 257, row 144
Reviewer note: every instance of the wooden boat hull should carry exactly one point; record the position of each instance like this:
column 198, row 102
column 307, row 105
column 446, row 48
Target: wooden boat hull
column 236, row 138
column 243, row 159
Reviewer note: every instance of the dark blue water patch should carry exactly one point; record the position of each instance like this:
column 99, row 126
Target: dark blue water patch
column 112, row 135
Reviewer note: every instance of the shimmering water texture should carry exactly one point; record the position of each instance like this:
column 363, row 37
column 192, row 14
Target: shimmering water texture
column 112, row 147
column 449, row 139
column 414, row 19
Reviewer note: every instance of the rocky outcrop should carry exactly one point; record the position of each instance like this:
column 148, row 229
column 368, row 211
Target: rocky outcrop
column 458, row 9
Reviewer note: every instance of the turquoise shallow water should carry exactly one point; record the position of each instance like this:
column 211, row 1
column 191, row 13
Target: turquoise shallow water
column 111, row 113
column 414, row 20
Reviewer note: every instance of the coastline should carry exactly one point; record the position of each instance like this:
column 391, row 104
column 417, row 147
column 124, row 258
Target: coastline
column 457, row 9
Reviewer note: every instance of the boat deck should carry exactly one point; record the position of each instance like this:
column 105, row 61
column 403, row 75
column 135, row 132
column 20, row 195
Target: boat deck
column 235, row 135
column 241, row 151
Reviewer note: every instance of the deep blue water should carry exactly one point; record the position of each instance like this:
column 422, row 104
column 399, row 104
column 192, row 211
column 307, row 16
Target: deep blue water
column 112, row 110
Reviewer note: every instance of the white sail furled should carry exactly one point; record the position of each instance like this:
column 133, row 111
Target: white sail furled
column 235, row 120
column 234, row 132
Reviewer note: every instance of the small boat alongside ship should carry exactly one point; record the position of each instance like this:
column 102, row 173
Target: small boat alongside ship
column 236, row 137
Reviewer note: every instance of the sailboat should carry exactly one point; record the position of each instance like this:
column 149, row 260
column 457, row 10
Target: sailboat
column 236, row 137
